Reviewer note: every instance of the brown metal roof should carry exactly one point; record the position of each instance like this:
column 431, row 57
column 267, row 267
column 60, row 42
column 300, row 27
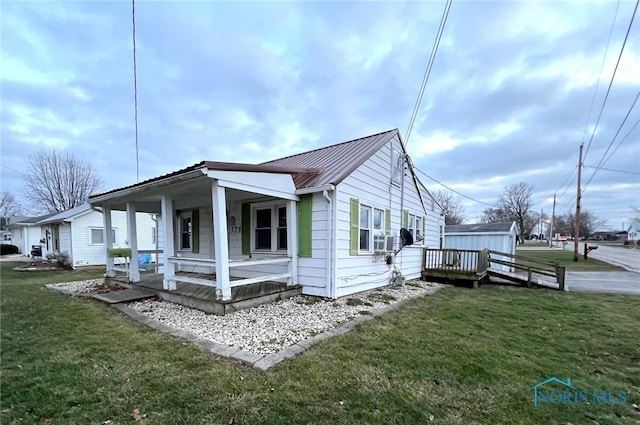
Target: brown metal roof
column 336, row 161
column 328, row 165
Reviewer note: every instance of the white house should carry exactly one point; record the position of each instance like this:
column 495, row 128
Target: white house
column 500, row 237
column 327, row 219
column 79, row 232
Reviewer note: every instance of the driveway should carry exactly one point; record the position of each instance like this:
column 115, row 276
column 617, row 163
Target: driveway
column 604, row 282
column 629, row 258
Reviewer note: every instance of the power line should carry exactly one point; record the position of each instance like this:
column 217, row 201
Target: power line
column 15, row 171
column 453, row 190
column 558, row 189
column 609, row 169
column 620, row 142
column 593, row 133
column 427, row 71
column 135, row 85
column 600, row 163
column 595, row 92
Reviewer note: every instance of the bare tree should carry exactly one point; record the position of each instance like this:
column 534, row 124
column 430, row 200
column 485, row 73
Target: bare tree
column 516, row 201
column 589, row 222
column 57, row 181
column 452, row 207
column 494, row 215
column 8, row 207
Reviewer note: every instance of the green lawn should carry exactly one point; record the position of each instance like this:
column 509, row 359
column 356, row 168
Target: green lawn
column 460, row 356
column 565, row 258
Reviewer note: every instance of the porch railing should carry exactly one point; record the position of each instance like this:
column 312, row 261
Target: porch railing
column 211, row 264
column 458, row 261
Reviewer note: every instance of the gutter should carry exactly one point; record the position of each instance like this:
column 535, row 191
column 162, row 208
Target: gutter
column 329, row 290
column 144, row 187
column 307, row 190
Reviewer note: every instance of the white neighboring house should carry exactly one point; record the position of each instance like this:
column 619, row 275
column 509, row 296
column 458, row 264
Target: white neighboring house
column 633, row 231
column 79, row 232
column 500, row 237
column 326, row 219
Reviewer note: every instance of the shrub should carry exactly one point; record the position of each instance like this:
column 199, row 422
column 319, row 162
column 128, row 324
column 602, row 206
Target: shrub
column 8, row 249
column 62, row 260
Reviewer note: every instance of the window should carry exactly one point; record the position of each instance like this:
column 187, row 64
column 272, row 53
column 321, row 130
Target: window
column 263, row 228
column 96, row 236
column 365, row 227
column 186, row 231
column 270, row 227
column 282, row 228
column 418, row 235
column 397, row 166
column 378, row 230
column 415, row 226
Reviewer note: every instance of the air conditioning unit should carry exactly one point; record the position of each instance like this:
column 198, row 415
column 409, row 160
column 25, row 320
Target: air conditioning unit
column 389, row 243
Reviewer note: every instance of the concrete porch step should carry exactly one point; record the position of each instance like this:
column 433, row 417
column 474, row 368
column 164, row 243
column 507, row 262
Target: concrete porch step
column 125, row 295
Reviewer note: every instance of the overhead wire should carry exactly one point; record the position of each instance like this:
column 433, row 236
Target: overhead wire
column 610, row 169
column 613, row 76
column 427, row 71
column 600, row 163
column 595, row 92
column 621, row 140
column 453, row 190
column 135, row 85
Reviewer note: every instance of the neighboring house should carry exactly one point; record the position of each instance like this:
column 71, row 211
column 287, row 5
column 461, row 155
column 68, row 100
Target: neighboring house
column 327, row 219
column 633, row 231
column 78, row 232
column 494, row 236
column 5, row 237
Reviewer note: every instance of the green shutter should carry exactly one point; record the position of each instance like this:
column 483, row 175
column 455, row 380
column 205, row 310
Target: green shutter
column 354, row 243
column 387, row 221
column 304, row 226
column 424, row 229
column 246, row 229
column 195, row 231
column 405, row 220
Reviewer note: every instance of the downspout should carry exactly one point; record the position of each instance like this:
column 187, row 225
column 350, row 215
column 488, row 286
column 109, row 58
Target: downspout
column 329, row 255
column 154, row 217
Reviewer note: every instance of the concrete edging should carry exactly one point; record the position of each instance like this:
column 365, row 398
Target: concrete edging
column 256, row 361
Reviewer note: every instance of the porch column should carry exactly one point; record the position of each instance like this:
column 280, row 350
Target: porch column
column 218, row 198
column 292, row 241
column 168, row 250
column 108, row 239
column 132, row 236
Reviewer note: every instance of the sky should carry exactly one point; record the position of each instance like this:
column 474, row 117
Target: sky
column 515, row 88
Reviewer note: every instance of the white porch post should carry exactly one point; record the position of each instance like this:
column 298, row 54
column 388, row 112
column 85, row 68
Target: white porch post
column 108, row 239
column 168, row 250
column 218, row 197
column 132, row 236
column 292, row 241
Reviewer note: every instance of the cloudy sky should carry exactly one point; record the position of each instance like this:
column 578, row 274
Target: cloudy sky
column 508, row 100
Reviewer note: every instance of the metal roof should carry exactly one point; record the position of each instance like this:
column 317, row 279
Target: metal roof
column 328, row 165
column 66, row 214
column 335, row 162
column 479, row 228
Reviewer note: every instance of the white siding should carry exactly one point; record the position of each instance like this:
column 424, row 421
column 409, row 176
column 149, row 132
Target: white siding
column 370, row 183
column 503, row 242
column 18, row 238
column 65, row 238
column 85, row 253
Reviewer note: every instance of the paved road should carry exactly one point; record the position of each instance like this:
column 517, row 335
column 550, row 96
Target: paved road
column 629, row 258
column 604, row 282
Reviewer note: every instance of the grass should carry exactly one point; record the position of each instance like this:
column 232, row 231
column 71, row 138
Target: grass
column 460, row 356
column 565, row 258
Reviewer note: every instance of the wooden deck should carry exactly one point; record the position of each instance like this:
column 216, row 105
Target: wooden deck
column 481, row 265
column 205, row 297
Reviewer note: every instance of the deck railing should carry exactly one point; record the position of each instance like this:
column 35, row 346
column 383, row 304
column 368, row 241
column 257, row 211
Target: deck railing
column 459, row 261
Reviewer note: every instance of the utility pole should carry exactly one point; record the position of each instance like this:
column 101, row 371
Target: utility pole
column 553, row 218
column 576, row 232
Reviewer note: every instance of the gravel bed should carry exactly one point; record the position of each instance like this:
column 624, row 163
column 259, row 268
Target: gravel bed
column 78, row 287
column 269, row 328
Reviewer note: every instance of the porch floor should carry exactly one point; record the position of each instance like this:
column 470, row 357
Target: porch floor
column 204, row 297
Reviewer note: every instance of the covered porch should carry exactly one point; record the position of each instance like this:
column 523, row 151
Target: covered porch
column 223, row 231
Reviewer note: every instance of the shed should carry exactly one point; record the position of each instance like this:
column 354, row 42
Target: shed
column 494, row 236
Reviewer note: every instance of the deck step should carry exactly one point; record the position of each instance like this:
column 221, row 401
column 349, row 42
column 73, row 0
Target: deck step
column 125, row 295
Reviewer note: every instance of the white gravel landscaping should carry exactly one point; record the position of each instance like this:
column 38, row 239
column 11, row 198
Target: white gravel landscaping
column 78, row 287
column 269, row 328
